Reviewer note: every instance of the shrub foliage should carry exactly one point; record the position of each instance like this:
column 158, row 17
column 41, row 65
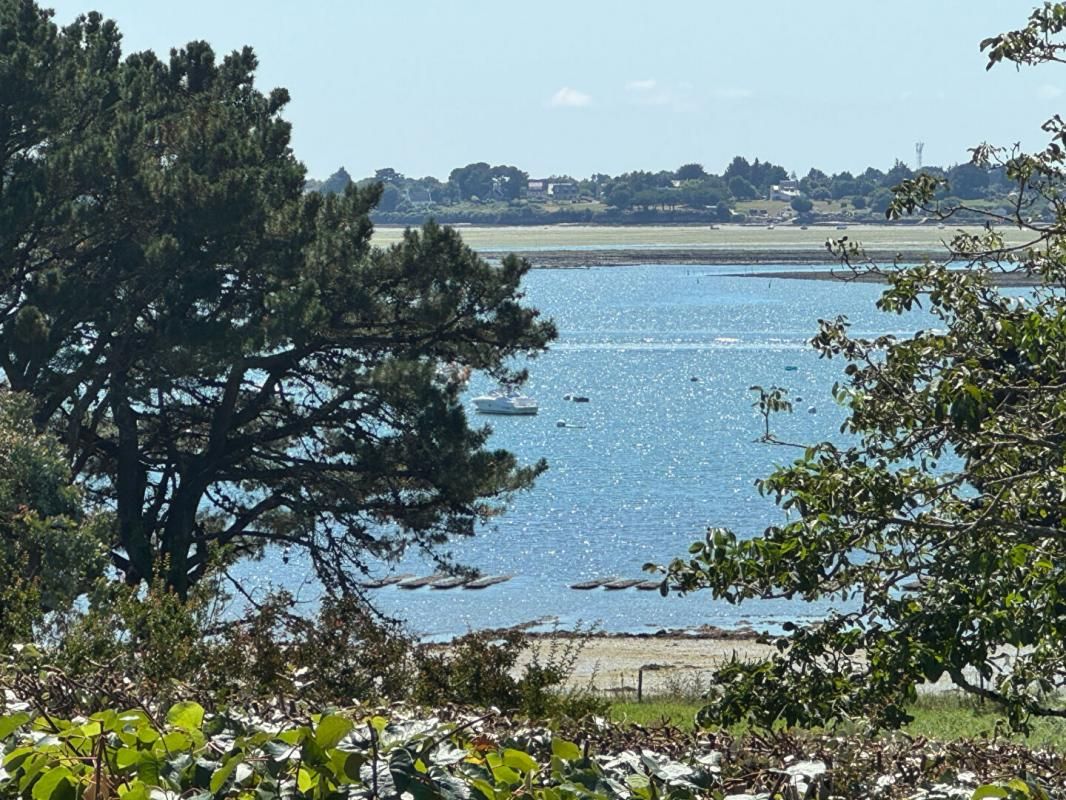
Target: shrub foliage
column 938, row 522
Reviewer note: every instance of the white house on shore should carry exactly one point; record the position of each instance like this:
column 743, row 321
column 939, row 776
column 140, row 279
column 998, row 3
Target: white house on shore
column 542, row 189
column 562, row 191
column 537, row 188
column 785, row 190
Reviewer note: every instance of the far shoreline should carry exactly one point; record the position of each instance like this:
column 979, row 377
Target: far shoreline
column 587, row 246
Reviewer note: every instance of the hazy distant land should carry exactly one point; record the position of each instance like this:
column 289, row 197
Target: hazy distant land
column 592, row 245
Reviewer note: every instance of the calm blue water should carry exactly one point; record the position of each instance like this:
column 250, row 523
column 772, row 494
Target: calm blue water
column 657, row 457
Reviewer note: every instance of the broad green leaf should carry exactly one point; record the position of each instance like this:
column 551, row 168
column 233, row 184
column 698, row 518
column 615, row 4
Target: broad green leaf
column 516, row 759
column 187, row 714
column 565, row 750
column 484, row 787
column 31, row 767
column 637, row 781
column 133, row 717
column 135, row 790
column 1018, row 785
column 305, row 781
column 10, row 724
column 506, row 775
column 147, row 734
column 346, row 765
column 331, row 730
column 988, row 790
column 174, row 742
column 15, row 758
column 92, row 728
column 294, row 736
column 127, row 757
column 149, row 768
column 221, row 775
column 54, row 783
column 109, row 720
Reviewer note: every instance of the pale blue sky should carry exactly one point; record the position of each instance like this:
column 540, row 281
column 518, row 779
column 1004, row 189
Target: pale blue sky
column 582, row 87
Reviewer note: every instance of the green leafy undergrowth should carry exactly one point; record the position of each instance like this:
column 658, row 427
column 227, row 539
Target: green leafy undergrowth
column 359, row 753
column 129, row 754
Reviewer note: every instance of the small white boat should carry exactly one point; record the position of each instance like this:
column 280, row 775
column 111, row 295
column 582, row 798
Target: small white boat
column 506, row 400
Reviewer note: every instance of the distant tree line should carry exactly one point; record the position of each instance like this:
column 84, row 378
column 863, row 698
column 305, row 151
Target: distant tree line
column 501, row 194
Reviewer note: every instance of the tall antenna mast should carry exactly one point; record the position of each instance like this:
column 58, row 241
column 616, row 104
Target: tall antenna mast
column 918, row 147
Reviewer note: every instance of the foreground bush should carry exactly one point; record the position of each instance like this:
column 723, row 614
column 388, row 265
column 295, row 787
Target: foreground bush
column 151, row 648
column 935, row 526
column 481, row 669
column 191, row 753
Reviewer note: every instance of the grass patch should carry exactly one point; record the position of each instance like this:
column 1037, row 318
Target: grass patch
column 656, row 711
column 950, row 716
column 771, row 207
column 940, row 717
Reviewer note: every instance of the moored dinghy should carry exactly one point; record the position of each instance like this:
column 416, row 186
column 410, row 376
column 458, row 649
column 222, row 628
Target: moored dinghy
column 488, row 580
column 450, row 583
column 595, row 583
column 417, row 583
column 378, row 583
column 623, row 583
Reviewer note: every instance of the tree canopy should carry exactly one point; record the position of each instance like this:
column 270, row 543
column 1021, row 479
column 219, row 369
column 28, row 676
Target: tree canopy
column 50, row 551
column 227, row 361
column 938, row 524
column 691, row 172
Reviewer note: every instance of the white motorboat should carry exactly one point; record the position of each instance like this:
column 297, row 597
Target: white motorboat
column 506, row 400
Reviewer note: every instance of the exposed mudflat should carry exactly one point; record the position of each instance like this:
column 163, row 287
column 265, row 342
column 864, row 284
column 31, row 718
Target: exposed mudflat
column 576, row 259
column 579, row 259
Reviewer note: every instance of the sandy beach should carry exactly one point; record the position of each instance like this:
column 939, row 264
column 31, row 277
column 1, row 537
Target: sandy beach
column 675, row 663
column 611, row 664
column 580, row 246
